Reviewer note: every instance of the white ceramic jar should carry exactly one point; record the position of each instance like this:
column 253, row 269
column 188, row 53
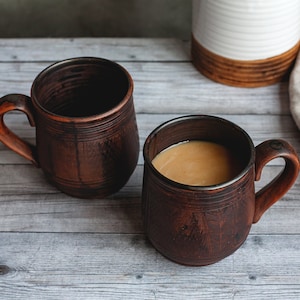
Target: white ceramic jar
column 242, row 32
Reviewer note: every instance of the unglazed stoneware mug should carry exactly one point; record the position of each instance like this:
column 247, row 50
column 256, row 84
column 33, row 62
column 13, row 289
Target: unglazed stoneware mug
column 87, row 140
column 200, row 225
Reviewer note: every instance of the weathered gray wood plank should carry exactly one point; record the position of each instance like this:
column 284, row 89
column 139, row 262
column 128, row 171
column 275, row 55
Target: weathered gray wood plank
column 30, row 204
column 57, row 247
column 170, row 87
column 88, row 266
column 125, row 49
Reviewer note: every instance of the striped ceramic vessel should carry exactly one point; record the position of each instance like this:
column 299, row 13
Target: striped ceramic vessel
column 245, row 43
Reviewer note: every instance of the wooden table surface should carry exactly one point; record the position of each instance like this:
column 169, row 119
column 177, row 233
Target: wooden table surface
column 57, row 247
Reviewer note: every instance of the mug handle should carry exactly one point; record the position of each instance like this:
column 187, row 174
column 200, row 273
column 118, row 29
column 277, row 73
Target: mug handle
column 273, row 191
column 7, row 137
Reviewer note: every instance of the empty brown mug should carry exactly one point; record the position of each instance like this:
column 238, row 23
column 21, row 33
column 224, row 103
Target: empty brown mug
column 87, row 140
column 200, row 225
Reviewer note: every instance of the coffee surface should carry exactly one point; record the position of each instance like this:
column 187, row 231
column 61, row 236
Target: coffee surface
column 197, row 163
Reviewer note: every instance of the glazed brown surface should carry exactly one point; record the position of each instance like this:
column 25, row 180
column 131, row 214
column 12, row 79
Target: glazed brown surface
column 194, row 225
column 87, row 140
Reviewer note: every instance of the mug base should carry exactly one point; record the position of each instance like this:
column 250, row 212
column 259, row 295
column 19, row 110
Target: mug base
column 196, row 261
column 240, row 73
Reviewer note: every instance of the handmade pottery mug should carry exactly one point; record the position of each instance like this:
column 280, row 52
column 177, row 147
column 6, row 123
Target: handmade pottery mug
column 200, row 225
column 87, row 140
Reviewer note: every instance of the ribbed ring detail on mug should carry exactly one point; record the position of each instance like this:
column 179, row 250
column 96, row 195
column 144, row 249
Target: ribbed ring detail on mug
column 252, row 73
column 89, row 130
column 202, row 198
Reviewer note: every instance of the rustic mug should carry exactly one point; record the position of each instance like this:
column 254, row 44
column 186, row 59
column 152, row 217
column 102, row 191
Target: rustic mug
column 200, row 225
column 87, row 140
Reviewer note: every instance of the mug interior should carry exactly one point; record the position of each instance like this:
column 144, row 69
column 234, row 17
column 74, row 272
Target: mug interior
column 81, row 87
column 204, row 128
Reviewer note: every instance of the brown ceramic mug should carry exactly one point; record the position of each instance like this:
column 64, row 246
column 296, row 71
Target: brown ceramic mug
column 200, row 225
column 87, row 140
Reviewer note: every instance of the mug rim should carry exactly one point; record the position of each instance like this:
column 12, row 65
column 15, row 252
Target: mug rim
column 198, row 187
column 77, row 60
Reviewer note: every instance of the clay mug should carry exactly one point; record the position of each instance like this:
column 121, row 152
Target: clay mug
column 200, row 225
column 87, row 140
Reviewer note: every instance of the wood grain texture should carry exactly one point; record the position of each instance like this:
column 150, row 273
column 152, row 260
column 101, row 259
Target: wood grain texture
column 124, row 49
column 57, row 247
column 93, row 266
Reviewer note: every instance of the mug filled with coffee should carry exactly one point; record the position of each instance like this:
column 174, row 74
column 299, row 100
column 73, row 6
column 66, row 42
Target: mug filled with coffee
column 198, row 198
column 87, row 139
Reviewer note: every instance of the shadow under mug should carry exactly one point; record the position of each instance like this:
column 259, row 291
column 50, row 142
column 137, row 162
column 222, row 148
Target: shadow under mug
column 87, row 140
column 194, row 225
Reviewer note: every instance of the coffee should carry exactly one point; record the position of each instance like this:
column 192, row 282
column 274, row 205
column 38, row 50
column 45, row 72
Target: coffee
column 197, row 163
